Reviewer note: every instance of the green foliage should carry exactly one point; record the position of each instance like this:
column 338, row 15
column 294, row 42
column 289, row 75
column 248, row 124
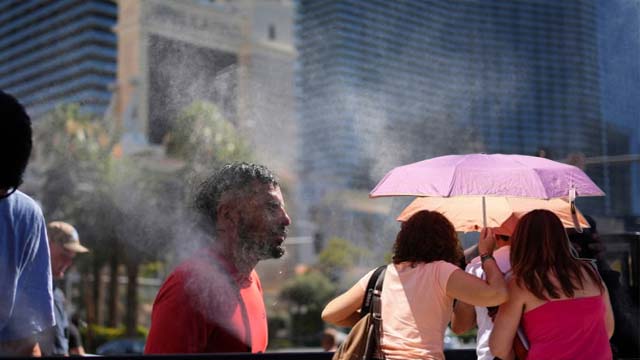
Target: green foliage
column 277, row 325
column 152, row 269
column 75, row 153
column 279, row 343
column 312, row 290
column 202, row 136
column 307, row 295
column 338, row 256
column 388, row 257
column 71, row 141
column 68, row 134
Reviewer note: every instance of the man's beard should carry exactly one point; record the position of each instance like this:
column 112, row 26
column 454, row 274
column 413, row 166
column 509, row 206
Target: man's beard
column 259, row 246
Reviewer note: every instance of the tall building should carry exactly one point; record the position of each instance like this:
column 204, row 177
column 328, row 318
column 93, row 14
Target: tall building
column 383, row 83
column 619, row 42
column 238, row 55
column 56, row 52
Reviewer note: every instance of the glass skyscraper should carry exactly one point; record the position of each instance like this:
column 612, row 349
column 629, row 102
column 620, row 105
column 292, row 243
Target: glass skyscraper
column 619, row 38
column 57, row 52
column 382, row 83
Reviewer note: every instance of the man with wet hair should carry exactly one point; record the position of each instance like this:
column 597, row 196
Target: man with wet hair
column 212, row 302
column 26, row 299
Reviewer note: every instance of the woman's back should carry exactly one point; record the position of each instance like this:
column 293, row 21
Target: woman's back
column 415, row 309
column 589, row 288
column 560, row 300
column 567, row 328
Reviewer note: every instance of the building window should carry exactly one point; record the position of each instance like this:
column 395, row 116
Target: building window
column 272, row 32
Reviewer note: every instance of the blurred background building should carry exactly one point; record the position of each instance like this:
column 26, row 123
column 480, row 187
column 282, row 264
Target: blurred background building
column 619, row 47
column 377, row 84
column 238, row 55
column 381, row 84
column 140, row 62
column 58, row 51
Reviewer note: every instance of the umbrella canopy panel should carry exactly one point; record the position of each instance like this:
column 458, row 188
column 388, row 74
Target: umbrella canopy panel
column 503, row 213
column 488, row 175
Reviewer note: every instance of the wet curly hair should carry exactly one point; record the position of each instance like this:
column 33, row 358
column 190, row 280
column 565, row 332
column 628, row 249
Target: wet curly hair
column 235, row 178
column 427, row 236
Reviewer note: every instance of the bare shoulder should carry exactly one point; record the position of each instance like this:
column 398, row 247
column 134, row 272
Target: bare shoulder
column 590, row 287
column 513, row 286
column 517, row 291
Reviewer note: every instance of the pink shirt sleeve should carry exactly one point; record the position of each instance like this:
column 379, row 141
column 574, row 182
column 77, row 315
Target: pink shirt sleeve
column 364, row 281
column 443, row 272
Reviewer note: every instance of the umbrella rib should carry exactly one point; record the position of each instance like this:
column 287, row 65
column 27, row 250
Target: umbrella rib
column 454, row 175
column 537, row 178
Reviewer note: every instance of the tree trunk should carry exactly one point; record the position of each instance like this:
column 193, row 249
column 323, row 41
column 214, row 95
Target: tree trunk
column 131, row 317
column 96, row 314
column 90, row 308
column 114, row 293
column 92, row 288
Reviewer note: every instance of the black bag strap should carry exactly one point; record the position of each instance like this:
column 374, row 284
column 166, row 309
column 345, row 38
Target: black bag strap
column 372, row 347
column 372, row 285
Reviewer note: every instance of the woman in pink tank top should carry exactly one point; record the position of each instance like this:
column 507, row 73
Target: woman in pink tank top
column 558, row 300
column 419, row 287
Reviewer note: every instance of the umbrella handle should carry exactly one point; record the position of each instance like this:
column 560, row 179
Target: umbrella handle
column 484, row 213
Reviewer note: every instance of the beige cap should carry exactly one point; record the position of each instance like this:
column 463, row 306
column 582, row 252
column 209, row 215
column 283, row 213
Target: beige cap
column 65, row 235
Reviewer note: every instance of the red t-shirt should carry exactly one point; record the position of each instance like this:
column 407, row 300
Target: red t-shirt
column 203, row 307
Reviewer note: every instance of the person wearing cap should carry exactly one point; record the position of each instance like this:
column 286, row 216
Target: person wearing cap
column 26, row 298
column 64, row 243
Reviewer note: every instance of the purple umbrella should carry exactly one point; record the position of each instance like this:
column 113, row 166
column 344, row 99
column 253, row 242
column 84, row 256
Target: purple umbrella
column 487, row 175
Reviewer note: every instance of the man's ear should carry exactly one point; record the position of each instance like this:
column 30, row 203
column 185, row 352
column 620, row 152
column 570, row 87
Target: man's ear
column 228, row 215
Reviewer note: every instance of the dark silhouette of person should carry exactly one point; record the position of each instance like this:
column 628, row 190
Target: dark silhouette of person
column 625, row 341
column 26, row 298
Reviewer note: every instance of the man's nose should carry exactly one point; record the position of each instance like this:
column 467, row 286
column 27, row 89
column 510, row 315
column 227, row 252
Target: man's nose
column 286, row 219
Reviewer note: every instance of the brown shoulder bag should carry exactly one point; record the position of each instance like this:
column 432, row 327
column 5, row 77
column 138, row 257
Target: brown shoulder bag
column 363, row 341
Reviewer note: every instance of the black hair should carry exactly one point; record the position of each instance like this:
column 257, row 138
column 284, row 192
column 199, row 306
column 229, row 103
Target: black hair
column 238, row 178
column 15, row 142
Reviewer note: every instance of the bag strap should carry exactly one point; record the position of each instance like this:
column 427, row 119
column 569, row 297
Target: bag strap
column 376, row 317
column 376, row 306
column 372, row 285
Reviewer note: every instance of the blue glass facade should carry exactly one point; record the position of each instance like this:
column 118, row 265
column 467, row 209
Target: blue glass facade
column 619, row 40
column 56, row 52
column 381, row 83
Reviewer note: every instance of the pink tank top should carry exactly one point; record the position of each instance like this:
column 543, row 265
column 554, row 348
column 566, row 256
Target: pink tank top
column 568, row 329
